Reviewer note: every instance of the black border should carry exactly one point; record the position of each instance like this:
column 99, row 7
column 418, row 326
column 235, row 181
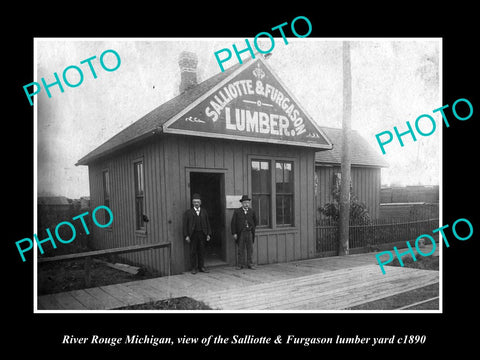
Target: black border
column 44, row 332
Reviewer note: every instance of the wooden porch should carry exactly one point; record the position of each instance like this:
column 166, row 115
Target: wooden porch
column 314, row 284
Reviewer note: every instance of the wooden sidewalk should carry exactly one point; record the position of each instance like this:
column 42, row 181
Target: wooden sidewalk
column 314, row 284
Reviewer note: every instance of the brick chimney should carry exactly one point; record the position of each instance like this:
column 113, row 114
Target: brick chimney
column 188, row 70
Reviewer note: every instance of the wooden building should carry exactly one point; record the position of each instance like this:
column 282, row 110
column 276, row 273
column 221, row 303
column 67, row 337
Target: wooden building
column 365, row 171
column 238, row 132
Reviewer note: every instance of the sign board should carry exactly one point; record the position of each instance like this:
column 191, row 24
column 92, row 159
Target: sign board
column 250, row 104
column 233, row 201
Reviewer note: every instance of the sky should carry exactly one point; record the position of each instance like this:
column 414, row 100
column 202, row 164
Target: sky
column 393, row 81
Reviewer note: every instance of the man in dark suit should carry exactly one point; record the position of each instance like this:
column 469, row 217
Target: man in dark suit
column 196, row 230
column 244, row 222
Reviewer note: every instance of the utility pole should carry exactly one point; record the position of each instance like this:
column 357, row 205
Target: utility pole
column 343, row 248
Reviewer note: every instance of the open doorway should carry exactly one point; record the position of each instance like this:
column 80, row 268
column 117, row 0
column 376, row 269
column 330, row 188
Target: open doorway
column 210, row 186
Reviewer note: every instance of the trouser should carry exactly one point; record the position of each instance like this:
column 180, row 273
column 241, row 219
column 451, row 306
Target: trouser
column 245, row 241
column 197, row 249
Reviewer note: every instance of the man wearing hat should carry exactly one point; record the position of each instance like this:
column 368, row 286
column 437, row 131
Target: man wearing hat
column 196, row 230
column 244, row 221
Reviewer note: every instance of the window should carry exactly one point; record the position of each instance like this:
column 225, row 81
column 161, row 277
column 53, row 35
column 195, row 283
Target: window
column 106, row 191
column 284, row 192
column 273, row 190
column 261, row 191
column 139, row 195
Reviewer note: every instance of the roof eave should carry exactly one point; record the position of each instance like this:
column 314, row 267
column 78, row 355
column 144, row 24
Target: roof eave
column 332, row 163
column 89, row 158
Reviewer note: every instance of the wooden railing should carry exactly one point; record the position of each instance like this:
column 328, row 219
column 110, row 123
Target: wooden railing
column 377, row 232
column 88, row 255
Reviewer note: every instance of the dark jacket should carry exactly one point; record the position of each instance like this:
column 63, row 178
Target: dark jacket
column 238, row 220
column 189, row 222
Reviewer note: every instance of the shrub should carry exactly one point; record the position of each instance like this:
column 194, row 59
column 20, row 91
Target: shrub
column 359, row 214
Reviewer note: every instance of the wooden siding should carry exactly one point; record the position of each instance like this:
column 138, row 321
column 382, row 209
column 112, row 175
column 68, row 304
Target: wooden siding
column 122, row 204
column 167, row 161
column 366, row 185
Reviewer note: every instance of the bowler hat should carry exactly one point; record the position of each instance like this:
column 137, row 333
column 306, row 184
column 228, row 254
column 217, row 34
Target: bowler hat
column 245, row 197
column 196, row 196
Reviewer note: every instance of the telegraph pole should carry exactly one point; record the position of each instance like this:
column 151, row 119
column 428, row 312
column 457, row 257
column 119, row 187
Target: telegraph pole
column 343, row 248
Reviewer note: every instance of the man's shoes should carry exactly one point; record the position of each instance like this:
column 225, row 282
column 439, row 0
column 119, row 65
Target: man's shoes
column 239, row 267
column 204, row 269
column 194, row 271
column 251, row 267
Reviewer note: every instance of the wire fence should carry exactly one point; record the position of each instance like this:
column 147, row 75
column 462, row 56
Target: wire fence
column 371, row 235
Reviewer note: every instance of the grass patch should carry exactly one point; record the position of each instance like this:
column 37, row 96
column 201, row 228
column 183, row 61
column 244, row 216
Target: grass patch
column 431, row 305
column 403, row 299
column 423, row 262
column 180, row 303
column 70, row 275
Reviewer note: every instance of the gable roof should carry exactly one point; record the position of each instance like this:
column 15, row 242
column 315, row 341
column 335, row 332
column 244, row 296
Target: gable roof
column 152, row 122
column 265, row 111
column 362, row 152
column 163, row 118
